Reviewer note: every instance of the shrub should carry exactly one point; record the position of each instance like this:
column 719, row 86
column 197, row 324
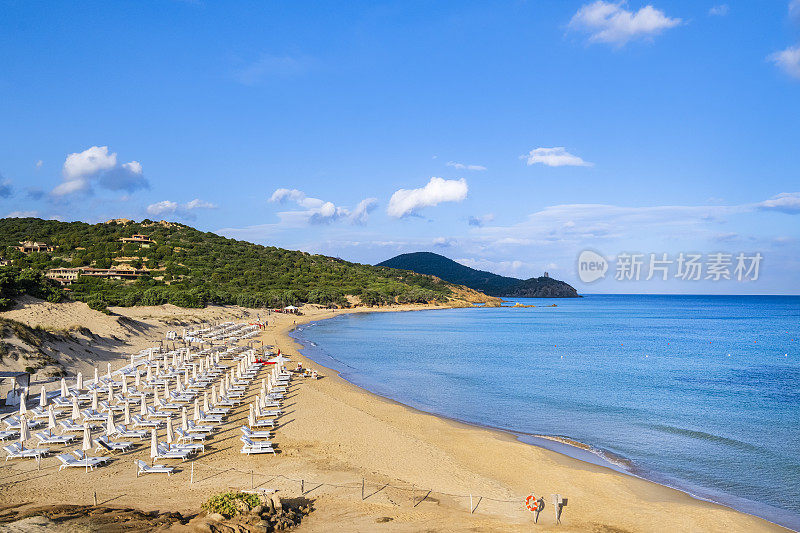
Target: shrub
column 229, row 504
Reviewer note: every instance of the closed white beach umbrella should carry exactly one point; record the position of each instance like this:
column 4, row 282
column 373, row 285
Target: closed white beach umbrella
column 184, row 420
column 51, row 419
column 108, row 373
column 110, row 394
column 143, row 407
column 138, row 379
column 124, row 385
column 221, row 389
column 22, row 407
column 127, row 413
column 153, row 444
column 194, row 371
column 205, row 402
column 169, row 432
column 214, row 396
column 150, row 354
column 252, row 417
column 87, row 438
column 43, row 398
column 166, row 390
column 79, row 382
column 24, row 432
column 111, row 428
column 149, row 374
column 196, row 410
column 96, row 377
column 174, row 359
column 76, row 411
column 186, row 375
column 94, row 400
column 64, row 391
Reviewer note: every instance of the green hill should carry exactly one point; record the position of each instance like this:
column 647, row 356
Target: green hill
column 191, row 268
column 486, row 282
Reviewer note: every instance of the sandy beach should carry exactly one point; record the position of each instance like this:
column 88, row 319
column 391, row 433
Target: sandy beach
column 419, row 472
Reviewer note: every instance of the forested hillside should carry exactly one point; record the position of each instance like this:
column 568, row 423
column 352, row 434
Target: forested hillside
column 191, row 268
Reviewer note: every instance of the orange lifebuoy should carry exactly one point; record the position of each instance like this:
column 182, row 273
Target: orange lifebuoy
column 531, row 503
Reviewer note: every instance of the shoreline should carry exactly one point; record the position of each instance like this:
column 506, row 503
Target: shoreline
column 557, row 444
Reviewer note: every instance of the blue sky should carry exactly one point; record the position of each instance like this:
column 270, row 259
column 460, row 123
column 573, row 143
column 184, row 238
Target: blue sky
column 507, row 135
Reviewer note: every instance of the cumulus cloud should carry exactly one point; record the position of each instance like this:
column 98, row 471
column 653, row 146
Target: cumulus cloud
column 788, row 60
column 794, row 9
column 39, row 164
column 438, row 190
column 480, row 220
column 554, row 157
column 719, row 10
column 361, row 212
column 316, row 211
column 186, row 210
column 609, row 22
column 785, row 202
column 462, row 166
column 97, row 164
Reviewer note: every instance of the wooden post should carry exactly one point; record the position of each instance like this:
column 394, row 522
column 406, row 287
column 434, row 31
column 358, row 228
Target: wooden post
column 302, row 487
column 470, row 504
column 252, row 484
column 191, row 477
column 95, row 498
column 362, row 489
column 413, row 495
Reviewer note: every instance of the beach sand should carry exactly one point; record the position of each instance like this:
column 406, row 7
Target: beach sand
column 418, row 470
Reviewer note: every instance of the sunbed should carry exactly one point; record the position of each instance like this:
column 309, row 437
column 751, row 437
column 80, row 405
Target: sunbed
column 104, row 444
column 251, row 446
column 44, row 438
column 144, row 468
column 249, row 433
column 15, row 451
column 126, row 433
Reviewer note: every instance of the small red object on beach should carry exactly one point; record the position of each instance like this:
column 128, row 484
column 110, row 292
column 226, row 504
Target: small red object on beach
column 531, row 503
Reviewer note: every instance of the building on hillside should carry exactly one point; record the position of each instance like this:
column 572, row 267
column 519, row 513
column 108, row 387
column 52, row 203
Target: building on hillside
column 27, row 247
column 144, row 240
column 66, row 276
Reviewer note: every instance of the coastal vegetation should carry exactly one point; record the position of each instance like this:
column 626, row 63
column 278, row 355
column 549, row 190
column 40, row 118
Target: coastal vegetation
column 177, row 264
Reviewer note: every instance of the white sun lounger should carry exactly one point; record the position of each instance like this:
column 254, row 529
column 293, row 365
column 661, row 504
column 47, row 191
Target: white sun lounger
column 264, row 424
column 249, row 433
column 104, row 444
column 144, row 468
column 82, row 456
column 251, row 446
column 187, row 436
column 125, row 433
column 44, row 438
column 8, row 434
column 141, row 423
column 164, row 453
column 69, row 425
column 14, row 451
column 69, row 461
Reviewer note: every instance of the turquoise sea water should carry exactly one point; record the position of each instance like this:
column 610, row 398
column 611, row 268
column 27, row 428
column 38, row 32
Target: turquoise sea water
column 698, row 392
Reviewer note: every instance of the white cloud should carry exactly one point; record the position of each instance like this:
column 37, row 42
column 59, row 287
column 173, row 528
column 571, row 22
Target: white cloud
column 443, row 242
column 480, row 220
column 608, row 22
column 554, row 157
column 318, row 211
column 39, row 163
column 462, row 166
column 164, row 206
column 719, row 10
column 363, row 209
column 186, row 210
column 788, row 60
column 199, row 204
column 406, row 201
column 98, row 164
column 6, row 190
column 786, row 202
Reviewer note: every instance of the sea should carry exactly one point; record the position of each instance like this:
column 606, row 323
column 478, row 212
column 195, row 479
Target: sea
column 700, row 393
